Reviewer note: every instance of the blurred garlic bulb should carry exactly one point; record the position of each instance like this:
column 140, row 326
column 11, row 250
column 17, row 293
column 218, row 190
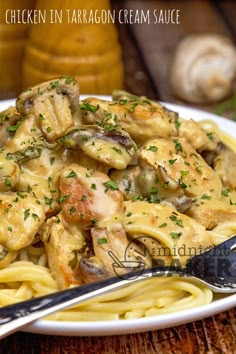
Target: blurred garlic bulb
column 203, row 68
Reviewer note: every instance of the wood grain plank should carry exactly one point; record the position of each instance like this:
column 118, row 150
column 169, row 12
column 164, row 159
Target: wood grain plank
column 213, row 335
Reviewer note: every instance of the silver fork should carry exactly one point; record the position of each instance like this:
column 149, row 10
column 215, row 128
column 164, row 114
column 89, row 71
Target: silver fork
column 215, row 268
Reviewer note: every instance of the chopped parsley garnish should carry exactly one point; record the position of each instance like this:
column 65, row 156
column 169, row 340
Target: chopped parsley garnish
column 62, row 198
column 21, row 195
column 225, row 192
column 83, row 198
column 102, row 241
column 72, row 210
column 171, row 162
column 205, row 196
column 182, row 184
column 93, row 186
column 48, row 201
column 54, row 84
column 178, row 146
column 86, row 106
column 108, row 123
column 68, row 79
column 117, row 150
column 210, row 136
column 180, row 181
column 177, row 124
column 152, row 148
column 154, row 190
column 52, row 159
column 110, row 185
column 178, row 222
column 163, row 225
column 26, row 214
column 71, row 174
column 175, row 235
column 41, row 117
column 166, row 184
column 7, row 182
column 153, row 199
column 13, row 128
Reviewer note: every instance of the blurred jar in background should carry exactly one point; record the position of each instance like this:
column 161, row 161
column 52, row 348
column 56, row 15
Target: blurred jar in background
column 88, row 51
column 13, row 38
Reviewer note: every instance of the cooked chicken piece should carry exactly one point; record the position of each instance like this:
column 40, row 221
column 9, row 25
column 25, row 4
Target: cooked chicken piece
column 26, row 135
column 39, row 164
column 113, row 148
column 216, row 153
column 88, row 197
column 65, row 245
column 92, row 200
column 40, row 176
column 21, row 216
column 122, row 96
column 140, row 118
column 178, row 235
column 9, row 122
column 9, row 173
column 52, row 103
column 197, row 137
column 212, row 212
column 179, row 168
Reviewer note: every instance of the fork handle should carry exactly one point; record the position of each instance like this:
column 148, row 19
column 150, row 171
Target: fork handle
column 14, row 317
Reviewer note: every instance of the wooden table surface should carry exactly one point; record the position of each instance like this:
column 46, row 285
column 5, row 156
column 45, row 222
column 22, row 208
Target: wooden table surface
column 147, row 53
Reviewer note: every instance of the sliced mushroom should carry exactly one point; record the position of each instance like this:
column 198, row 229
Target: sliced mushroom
column 113, row 148
column 144, row 184
column 128, row 181
column 92, row 269
column 53, row 104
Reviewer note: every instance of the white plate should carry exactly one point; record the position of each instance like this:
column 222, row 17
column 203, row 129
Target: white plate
column 116, row 327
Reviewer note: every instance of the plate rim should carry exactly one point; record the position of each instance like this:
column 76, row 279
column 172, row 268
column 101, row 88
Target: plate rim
column 118, row 327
